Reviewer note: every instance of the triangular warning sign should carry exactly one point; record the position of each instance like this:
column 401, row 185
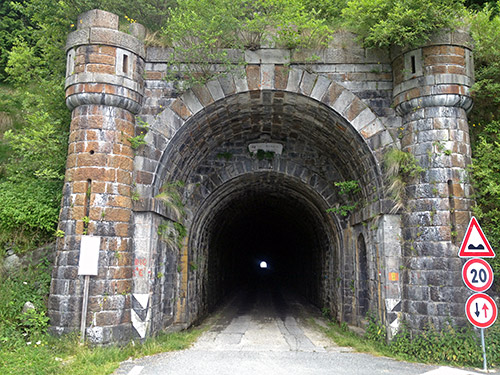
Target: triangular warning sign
column 475, row 243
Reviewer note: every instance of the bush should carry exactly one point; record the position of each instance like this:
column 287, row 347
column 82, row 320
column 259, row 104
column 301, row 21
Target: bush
column 29, row 212
column 485, row 30
column 200, row 30
column 328, row 10
column 451, row 346
column 486, row 181
column 485, row 124
column 13, row 27
column 456, row 347
column 375, row 331
column 382, row 23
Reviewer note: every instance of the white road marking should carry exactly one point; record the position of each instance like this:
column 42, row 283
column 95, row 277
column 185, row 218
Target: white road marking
column 136, row 370
column 450, row 371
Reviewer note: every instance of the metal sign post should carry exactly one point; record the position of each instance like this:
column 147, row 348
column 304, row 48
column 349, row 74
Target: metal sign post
column 85, row 303
column 485, row 364
column 87, row 266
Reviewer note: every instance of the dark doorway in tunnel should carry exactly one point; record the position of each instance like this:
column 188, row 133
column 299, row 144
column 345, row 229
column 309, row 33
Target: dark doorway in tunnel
column 285, row 231
column 265, row 230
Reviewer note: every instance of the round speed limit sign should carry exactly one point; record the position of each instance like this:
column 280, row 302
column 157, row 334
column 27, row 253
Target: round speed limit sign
column 477, row 275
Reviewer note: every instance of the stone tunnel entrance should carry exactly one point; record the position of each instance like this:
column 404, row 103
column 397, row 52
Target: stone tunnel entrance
column 259, row 171
column 267, row 217
column 261, row 156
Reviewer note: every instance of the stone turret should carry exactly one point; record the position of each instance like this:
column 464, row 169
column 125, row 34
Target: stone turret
column 104, row 90
column 431, row 93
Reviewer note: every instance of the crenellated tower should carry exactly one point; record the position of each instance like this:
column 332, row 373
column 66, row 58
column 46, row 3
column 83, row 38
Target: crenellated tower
column 431, row 94
column 104, row 90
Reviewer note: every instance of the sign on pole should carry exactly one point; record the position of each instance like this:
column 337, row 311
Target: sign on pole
column 89, row 255
column 481, row 310
column 477, row 275
column 475, row 243
column 88, row 265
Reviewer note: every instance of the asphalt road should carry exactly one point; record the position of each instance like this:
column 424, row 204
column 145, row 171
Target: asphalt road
column 270, row 332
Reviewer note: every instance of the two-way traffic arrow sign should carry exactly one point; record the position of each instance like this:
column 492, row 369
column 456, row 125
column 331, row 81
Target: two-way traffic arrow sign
column 481, row 310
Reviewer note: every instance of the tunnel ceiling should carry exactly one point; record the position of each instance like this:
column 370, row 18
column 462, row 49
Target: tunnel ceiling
column 316, row 142
column 280, row 195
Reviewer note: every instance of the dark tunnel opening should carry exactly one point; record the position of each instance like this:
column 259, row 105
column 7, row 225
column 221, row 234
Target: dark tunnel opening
column 285, row 231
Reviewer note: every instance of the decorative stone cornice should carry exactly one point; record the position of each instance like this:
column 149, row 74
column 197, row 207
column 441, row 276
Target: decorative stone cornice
column 439, row 73
column 443, row 100
column 79, row 99
column 105, row 65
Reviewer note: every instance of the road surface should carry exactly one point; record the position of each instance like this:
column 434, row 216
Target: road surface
column 271, row 332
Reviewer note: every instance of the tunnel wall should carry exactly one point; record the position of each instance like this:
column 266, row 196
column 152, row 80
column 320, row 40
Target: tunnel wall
column 335, row 118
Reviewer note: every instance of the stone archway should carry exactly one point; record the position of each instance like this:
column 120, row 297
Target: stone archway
column 321, row 134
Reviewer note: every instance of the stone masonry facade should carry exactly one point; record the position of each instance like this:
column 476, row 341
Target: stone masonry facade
column 271, row 141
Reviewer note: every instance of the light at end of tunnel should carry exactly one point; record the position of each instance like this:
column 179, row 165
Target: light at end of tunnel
column 263, row 264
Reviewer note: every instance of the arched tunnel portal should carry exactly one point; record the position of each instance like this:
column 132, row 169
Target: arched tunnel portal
column 266, row 216
column 263, row 176
column 280, row 159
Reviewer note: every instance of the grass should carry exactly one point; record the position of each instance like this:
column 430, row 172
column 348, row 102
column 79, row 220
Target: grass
column 343, row 336
column 450, row 347
column 51, row 355
column 25, row 348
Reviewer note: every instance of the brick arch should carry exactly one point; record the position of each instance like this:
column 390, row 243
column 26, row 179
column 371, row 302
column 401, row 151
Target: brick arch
column 350, row 108
column 300, row 173
column 175, row 142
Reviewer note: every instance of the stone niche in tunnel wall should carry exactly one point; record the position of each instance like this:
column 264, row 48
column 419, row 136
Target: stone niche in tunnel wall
column 281, row 161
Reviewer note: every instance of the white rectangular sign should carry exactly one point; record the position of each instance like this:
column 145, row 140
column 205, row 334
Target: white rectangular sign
column 89, row 255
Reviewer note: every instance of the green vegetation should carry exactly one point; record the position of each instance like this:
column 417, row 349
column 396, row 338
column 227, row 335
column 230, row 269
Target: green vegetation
column 449, row 346
column 16, row 327
column 347, row 190
column 400, row 168
column 34, row 121
column 484, row 123
column 225, row 155
column 172, row 233
column 26, row 348
column 265, row 155
column 171, row 196
column 382, row 23
column 34, row 127
column 202, row 39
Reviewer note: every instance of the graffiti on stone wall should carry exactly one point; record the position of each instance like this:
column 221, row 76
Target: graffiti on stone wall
column 141, row 268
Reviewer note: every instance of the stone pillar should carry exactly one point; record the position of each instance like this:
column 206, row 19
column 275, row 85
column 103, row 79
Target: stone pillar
column 431, row 93
column 104, row 88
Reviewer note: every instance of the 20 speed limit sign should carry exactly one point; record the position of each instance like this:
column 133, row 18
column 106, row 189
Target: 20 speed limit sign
column 477, row 275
